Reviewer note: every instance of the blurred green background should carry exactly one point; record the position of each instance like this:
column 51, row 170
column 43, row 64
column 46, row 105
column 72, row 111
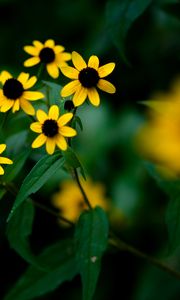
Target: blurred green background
column 105, row 147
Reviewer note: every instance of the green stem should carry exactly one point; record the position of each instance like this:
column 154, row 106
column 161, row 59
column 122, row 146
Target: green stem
column 86, row 200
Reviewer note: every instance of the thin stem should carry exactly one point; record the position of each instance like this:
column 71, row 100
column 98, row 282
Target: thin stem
column 121, row 245
column 86, row 200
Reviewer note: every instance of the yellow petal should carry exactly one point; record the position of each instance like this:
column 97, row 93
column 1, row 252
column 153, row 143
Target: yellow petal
column 15, row 106
column 27, row 107
column 93, row 62
column 30, row 82
column 7, row 104
column 58, row 49
column 50, row 145
column 2, row 148
column 39, row 141
column 53, row 70
column 64, row 119
column 5, row 160
column 78, row 61
column 106, row 70
column 30, row 95
column 32, row 50
column 80, row 96
column 32, row 61
column 67, row 131
column 106, row 86
column 93, row 96
column 70, row 88
column 36, row 127
column 1, row 171
column 61, row 142
column 70, row 72
column 38, row 44
column 23, row 77
column 53, row 112
column 62, row 57
column 41, row 116
column 5, row 76
column 49, row 43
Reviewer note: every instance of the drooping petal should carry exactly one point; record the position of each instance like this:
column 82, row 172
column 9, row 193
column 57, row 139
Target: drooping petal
column 70, row 72
column 70, row 88
column 5, row 76
column 50, row 145
column 38, row 44
column 39, row 141
column 5, row 160
column 106, row 86
column 64, row 119
column 93, row 62
column 80, row 96
column 32, row 80
column 41, row 116
column 2, row 148
column 23, row 77
column 31, row 95
column 36, row 127
column 53, row 70
column 15, row 106
column 49, row 43
column 106, row 70
column 78, row 61
column 32, row 50
column 27, row 107
column 53, row 112
column 1, row 171
column 6, row 105
column 61, row 142
column 58, row 49
column 32, row 61
column 67, row 131
column 93, row 96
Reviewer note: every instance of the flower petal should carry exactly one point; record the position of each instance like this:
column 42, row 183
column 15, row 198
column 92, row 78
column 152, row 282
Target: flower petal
column 32, row 50
column 80, row 96
column 106, row 86
column 32, row 61
column 23, row 77
column 53, row 70
column 78, row 61
column 31, row 95
column 5, row 160
column 93, row 96
column 30, row 82
column 62, row 57
column 41, row 116
column 61, row 142
column 5, row 76
column 38, row 44
column 15, row 106
column 49, row 43
column 27, row 107
column 70, row 88
column 93, row 62
column 64, row 119
column 106, row 70
column 53, row 112
column 36, row 127
column 1, row 171
column 70, row 72
column 58, row 49
column 50, row 145
column 2, row 148
column 7, row 104
column 39, row 141
column 67, row 131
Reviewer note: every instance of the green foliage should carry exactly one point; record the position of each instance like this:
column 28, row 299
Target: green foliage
column 72, row 161
column 91, row 237
column 39, row 174
column 52, row 92
column 60, row 266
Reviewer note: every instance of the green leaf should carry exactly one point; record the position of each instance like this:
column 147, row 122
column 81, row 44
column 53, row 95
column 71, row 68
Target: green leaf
column 120, row 16
column 77, row 120
column 39, row 174
column 173, row 223
column 52, row 92
column 61, row 266
column 72, row 161
column 18, row 230
column 91, row 238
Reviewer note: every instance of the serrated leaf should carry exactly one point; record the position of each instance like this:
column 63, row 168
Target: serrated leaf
column 91, row 238
column 39, row 174
column 60, row 266
column 120, row 16
column 72, row 161
column 19, row 229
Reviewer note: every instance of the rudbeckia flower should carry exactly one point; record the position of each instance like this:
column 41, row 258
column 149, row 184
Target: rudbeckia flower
column 4, row 160
column 86, row 79
column 53, row 56
column 15, row 93
column 52, row 129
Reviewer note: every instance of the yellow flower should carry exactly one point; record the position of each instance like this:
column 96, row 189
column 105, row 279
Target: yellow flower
column 86, row 77
column 159, row 138
column 53, row 56
column 14, row 93
column 69, row 199
column 52, row 129
column 4, row 160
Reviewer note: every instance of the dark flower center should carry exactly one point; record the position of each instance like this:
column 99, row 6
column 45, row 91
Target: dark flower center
column 88, row 77
column 13, row 89
column 47, row 55
column 68, row 105
column 50, row 128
